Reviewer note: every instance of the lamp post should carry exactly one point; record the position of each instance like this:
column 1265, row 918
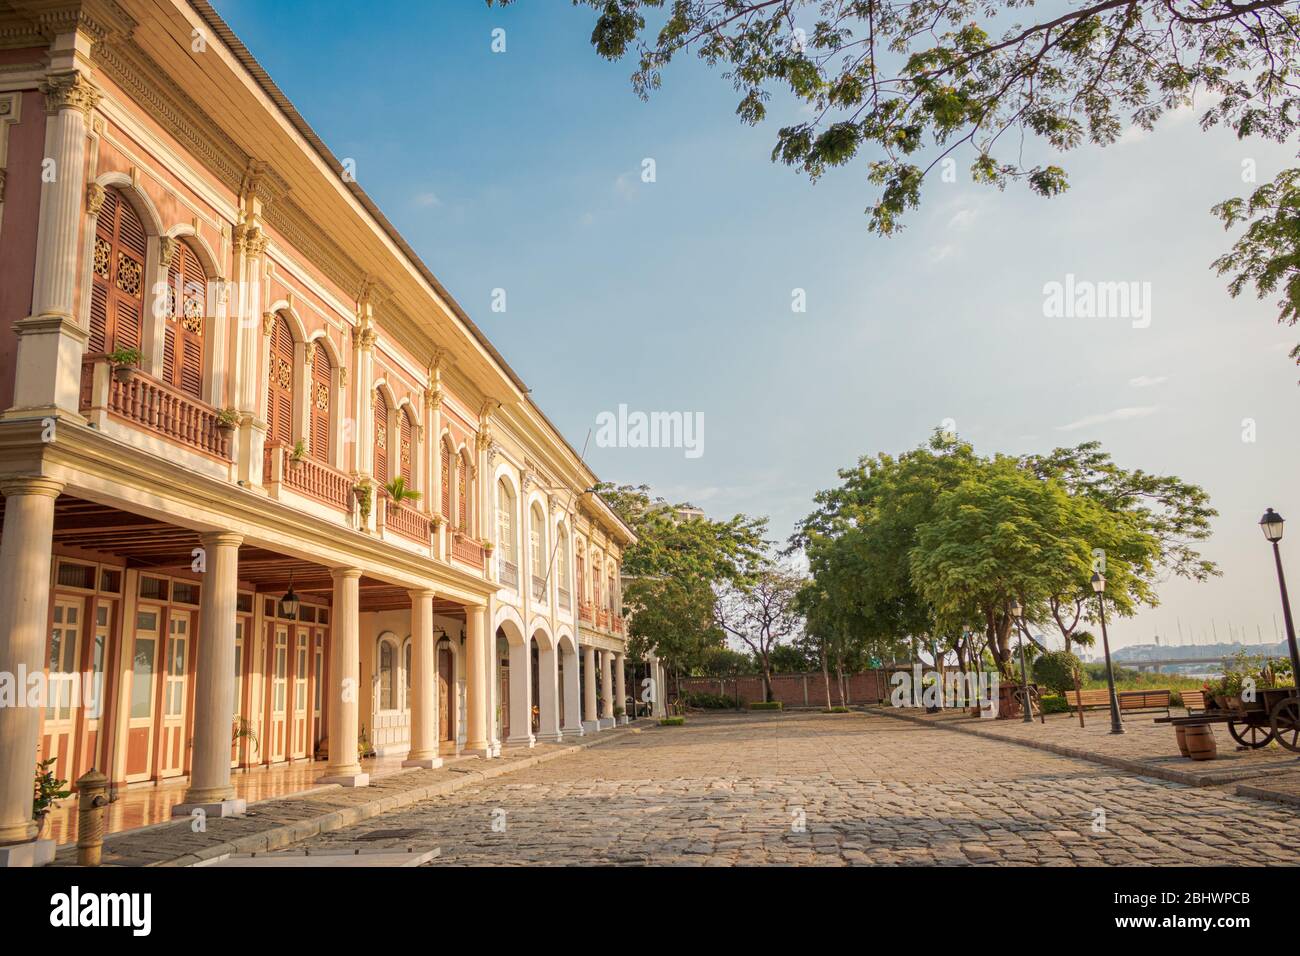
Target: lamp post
column 1025, row 707
column 1271, row 524
column 1099, row 585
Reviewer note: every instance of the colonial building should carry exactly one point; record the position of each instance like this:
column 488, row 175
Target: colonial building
column 269, row 494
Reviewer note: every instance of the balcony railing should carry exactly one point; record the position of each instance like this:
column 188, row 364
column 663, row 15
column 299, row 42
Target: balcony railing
column 539, row 588
column 150, row 404
column 566, row 599
column 602, row 618
column 508, row 573
column 618, row 623
column 407, row 521
column 306, row 476
column 586, row 612
column 467, row 550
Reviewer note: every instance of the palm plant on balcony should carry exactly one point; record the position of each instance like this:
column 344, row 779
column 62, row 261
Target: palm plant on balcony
column 228, row 419
column 398, row 492
column 124, row 362
column 299, row 453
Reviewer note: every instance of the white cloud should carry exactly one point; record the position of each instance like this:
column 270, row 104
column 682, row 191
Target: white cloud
column 1118, row 415
column 962, row 219
column 1146, row 381
column 939, row 253
column 427, row 200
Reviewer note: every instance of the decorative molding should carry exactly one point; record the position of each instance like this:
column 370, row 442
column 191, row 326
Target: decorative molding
column 95, row 196
column 69, row 91
column 268, row 322
column 167, row 247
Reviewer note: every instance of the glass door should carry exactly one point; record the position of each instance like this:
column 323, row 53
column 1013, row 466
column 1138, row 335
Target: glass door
column 171, row 758
column 63, row 693
column 139, row 734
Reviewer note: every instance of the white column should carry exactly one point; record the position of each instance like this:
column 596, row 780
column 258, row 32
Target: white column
column 572, row 696
column 661, row 690
column 214, row 688
column 424, row 683
column 521, row 693
column 590, row 719
column 620, row 687
column 47, row 373
column 476, row 649
column 345, row 663
column 548, row 690
column 607, row 685
column 25, row 549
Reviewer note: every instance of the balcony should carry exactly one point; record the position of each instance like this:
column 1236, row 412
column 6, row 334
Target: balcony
column 539, row 588
column 565, row 598
column 602, row 618
column 508, row 573
column 467, row 550
column 618, row 623
column 586, row 613
column 306, row 476
column 147, row 403
column 409, row 522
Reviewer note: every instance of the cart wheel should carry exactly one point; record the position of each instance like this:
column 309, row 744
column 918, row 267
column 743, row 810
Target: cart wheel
column 1285, row 721
column 1253, row 736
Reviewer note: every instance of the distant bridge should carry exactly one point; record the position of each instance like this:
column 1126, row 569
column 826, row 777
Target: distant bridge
column 1155, row 665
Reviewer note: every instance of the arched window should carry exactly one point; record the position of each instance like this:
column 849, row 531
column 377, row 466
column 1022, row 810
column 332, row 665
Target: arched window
column 505, row 520
column 562, row 557
column 117, row 289
column 381, row 437
column 462, row 491
column 387, row 674
column 613, row 590
column 187, row 289
column 280, row 384
column 407, row 447
column 446, row 482
column 322, row 378
column 537, row 540
column 582, row 575
column 596, row 596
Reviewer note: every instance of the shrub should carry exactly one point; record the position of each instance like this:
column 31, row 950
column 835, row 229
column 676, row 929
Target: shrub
column 1057, row 670
column 672, row 721
column 707, row 701
column 765, row 705
column 836, row 710
column 1055, row 705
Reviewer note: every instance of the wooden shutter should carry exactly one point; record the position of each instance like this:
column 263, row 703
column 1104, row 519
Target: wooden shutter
column 187, row 289
column 406, row 448
column 582, row 579
column 322, row 376
column 117, row 287
column 446, row 482
column 462, row 482
column 280, row 384
column 381, row 438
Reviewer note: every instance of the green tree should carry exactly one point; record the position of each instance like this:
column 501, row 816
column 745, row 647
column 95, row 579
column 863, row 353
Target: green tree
column 915, row 84
column 760, row 610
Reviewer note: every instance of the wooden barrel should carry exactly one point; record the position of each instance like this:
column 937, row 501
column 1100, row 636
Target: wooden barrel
column 1181, row 733
column 1200, row 742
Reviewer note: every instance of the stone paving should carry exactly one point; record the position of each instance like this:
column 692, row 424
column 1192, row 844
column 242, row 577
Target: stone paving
column 1145, row 746
column 829, row 790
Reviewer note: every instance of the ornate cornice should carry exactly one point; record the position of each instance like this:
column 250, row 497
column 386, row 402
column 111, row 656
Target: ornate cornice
column 40, row 21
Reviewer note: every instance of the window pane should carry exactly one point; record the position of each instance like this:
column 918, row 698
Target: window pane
column 142, row 678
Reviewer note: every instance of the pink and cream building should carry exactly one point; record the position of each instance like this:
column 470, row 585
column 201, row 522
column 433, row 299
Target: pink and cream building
column 216, row 359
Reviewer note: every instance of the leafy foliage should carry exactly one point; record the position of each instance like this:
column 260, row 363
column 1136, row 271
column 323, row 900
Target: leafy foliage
column 1058, row 671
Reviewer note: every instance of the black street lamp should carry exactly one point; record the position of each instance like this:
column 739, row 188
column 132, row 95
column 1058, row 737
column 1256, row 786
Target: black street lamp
column 1024, row 673
column 1099, row 585
column 1271, row 524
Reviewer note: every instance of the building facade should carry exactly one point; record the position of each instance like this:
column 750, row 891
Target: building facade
column 268, row 493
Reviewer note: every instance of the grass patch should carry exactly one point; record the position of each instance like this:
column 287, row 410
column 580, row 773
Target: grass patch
column 672, row 721
column 836, row 710
column 766, row 705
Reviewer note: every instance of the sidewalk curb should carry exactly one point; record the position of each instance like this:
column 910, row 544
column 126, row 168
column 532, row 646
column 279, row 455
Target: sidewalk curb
column 1119, row 763
column 288, row 834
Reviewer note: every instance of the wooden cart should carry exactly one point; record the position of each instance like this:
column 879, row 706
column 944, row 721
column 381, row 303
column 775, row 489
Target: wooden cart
column 1273, row 715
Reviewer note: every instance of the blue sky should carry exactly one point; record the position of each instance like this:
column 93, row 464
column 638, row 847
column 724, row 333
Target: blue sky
column 521, row 171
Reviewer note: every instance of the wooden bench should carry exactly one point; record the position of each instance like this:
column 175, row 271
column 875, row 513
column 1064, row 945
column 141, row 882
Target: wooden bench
column 1130, row 701
column 1194, row 701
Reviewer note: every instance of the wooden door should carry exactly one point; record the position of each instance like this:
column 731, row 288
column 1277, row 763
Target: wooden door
column 95, row 693
column 279, row 668
column 279, row 385
column 171, row 757
column 237, row 744
column 140, row 717
column 503, row 699
column 318, row 692
column 299, row 719
column 63, row 695
column 446, row 687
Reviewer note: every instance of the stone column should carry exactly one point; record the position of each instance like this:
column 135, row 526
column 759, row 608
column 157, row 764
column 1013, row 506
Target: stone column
column 590, row 719
column 548, row 690
column 661, row 690
column 345, row 663
column 47, row 373
column 607, row 688
column 424, row 683
column 476, row 649
column 25, row 548
column 620, row 687
column 210, row 788
column 521, row 694
column 572, row 696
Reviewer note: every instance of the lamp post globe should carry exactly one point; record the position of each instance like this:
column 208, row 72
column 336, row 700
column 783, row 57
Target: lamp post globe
column 1271, row 524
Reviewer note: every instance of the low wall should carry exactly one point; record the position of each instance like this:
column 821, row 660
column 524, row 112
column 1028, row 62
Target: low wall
column 792, row 690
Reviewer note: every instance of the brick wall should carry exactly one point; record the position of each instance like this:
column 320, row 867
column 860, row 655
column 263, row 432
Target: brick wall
column 793, row 690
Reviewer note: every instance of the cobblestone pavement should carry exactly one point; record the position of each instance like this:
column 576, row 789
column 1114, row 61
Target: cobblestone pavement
column 733, row 790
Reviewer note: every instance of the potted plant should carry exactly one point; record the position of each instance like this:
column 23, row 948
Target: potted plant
column 124, row 362
column 365, row 498
column 398, row 492
column 228, row 420
column 49, row 791
column 299, row 453
column 363, row 745
column 243, row 728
